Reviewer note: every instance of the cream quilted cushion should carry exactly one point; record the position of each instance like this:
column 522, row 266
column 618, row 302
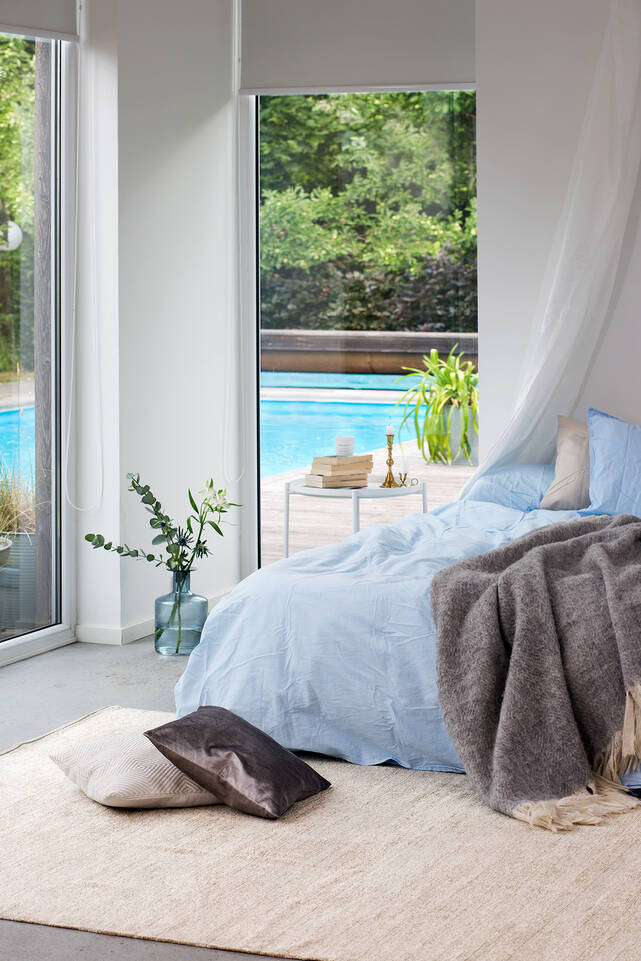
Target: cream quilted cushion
column 129, row 772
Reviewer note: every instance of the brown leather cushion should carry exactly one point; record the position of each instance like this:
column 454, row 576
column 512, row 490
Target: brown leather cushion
column 239, row 764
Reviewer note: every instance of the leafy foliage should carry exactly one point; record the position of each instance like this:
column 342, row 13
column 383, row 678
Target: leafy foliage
column 439, row 294
column 182, row 545
column 17, row 78
column 364, row 196
column 430, row 401
column 17, row 502
column 17, row 100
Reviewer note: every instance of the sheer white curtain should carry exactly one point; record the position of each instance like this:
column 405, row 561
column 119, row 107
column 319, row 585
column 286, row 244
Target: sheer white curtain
column 578, row 285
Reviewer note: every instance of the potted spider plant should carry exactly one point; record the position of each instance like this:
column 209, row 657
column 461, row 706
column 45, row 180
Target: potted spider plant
column 180, row 615
column 441, row 402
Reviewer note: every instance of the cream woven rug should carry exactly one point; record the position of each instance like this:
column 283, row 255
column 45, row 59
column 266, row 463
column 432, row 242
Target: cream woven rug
column 388, row 865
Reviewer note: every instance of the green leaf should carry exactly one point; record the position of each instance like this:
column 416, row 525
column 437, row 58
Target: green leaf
column 159, row 539
column 89, row 537
column 192, row 501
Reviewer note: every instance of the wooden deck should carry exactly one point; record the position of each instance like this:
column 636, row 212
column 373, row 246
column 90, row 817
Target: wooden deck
column 315, row 521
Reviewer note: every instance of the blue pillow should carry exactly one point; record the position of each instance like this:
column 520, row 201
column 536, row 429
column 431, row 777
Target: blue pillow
column 520, row 487
column 615, row 465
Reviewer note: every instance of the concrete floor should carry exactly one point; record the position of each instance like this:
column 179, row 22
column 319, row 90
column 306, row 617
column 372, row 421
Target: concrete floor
column 39, row 695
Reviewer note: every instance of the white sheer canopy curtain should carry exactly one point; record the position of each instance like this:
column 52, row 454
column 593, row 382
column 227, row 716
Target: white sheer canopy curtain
column 579, row 282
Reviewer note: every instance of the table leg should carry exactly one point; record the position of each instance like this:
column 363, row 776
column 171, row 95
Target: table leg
column 286, row 519
column 424, row 497
column 356, row 513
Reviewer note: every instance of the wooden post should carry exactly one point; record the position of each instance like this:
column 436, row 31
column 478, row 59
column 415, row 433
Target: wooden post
column 42, row 338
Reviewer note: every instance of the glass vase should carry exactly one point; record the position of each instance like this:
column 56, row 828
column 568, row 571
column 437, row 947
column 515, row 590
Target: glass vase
column 180, row 617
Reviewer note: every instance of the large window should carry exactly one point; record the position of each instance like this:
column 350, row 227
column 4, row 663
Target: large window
column 30, row 535
column 367, row 259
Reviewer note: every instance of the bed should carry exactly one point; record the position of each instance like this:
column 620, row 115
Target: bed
column 334, row 650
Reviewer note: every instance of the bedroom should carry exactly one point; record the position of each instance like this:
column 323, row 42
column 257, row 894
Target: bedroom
column 157, row 110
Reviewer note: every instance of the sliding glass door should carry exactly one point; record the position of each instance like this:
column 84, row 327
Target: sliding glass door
column 30, row 526
column 367, row 262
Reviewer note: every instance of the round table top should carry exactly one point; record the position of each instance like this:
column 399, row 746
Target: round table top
column 373, row 489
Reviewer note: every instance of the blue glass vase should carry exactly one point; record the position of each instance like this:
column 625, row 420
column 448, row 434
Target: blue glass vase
column 180, row 617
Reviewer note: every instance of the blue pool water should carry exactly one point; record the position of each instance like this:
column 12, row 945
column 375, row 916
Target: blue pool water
column 18, row 440
column 293, row 432
column 281, row 378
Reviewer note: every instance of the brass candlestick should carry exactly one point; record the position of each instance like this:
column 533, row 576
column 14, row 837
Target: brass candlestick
column 389, row 478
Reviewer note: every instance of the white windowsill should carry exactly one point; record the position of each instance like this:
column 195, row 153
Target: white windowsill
column 36, row 642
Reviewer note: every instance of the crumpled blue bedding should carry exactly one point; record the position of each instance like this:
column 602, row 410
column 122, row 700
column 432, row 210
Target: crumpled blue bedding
column 334, row 650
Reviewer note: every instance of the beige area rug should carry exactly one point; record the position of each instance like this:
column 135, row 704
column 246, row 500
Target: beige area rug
column 388, row 865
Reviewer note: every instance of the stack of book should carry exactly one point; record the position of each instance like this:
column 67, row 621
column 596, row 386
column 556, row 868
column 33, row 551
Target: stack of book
column 340, row 471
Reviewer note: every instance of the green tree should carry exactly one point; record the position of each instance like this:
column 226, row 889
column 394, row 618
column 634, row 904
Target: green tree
column 17, row 76
column 360, row 193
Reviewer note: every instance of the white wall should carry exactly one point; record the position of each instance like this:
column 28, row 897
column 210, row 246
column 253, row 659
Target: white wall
column 175, row 310
column 534, row 65
column 95, row 398
column 613, row 383
column 165, row 305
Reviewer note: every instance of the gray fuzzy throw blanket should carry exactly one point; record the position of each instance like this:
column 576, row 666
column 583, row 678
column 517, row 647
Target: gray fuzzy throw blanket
column 539, row 669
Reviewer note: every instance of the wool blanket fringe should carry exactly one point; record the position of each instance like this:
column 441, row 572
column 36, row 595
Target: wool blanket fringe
column 605, row 795
column 539, row 667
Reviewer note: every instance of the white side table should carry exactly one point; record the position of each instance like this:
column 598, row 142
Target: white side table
column 356, row 494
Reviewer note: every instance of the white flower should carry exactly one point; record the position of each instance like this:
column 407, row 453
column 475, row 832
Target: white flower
column 221, row 500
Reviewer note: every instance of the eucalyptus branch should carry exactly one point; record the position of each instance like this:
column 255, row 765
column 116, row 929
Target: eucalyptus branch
column 181, row 548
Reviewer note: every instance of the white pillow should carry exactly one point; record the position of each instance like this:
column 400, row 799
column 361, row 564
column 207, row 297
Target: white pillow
column 129, row 772
column 570, row 489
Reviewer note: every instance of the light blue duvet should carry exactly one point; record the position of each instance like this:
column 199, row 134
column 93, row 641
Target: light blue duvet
column 334, row 649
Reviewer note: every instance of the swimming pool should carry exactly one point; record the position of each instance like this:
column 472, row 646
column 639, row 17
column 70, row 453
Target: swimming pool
column 18, row 440
column 293, row 432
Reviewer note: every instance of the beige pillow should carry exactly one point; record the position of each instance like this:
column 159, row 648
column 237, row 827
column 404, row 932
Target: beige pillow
column 129, row 772
column 570, row 489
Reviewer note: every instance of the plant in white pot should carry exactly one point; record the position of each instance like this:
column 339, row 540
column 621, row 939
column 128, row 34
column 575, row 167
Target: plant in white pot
column 442, row 403
column 180, row 615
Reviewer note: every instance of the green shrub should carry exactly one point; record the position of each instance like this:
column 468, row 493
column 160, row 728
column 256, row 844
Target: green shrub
column 439, row 295
column 368, row 211
column 17, row 502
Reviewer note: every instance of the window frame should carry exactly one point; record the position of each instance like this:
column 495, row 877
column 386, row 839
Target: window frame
column 64, row 107
column 247, row 190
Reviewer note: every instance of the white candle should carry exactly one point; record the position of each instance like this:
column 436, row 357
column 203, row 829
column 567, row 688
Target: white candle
column 344, row 446
column 389, row 429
